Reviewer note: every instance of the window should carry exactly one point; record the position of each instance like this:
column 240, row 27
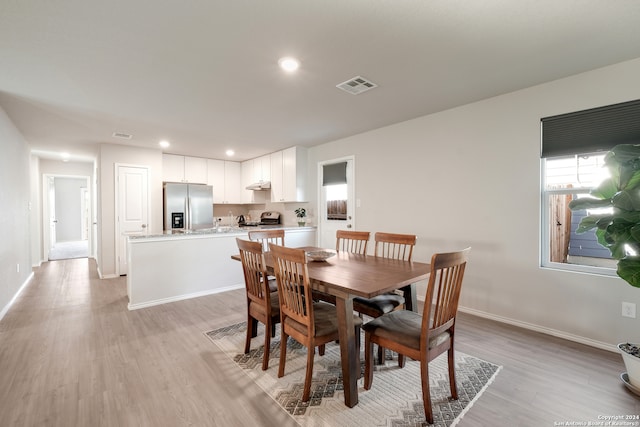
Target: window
column 334, row 181
column 565, row 178
column 336, row 196
column 573, row 149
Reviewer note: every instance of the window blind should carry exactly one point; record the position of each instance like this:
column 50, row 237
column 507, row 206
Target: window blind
column 590, row 131
column 334, row 174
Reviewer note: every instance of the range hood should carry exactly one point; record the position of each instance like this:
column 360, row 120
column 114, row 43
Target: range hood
column 259, row 186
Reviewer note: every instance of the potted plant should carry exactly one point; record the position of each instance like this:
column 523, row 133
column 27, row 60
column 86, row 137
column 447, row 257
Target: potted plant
column 619, row 229
column 301, row 213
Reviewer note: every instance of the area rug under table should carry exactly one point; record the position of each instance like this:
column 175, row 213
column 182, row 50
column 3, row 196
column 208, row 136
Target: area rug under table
column 395, row 398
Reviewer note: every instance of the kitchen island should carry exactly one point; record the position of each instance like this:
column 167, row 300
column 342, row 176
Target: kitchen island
column 171, row 267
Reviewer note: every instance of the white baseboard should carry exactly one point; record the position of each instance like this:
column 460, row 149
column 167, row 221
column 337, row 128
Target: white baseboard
column 106, row 276
column 10, row 303
column 541, row 329
column 183, row 297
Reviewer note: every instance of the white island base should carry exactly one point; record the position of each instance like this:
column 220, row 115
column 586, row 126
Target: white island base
column 174, row 267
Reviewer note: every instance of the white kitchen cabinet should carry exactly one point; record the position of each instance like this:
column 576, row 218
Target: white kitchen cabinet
column 262, row 169
column 288, row 175
column 232, row 180
column 251, row 172
column 177, row 168
column 246, row 179
column 224, row 177
column 172, row 168
column 195, row 170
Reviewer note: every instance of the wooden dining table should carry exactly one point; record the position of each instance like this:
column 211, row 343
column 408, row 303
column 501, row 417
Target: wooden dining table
column 347, row 275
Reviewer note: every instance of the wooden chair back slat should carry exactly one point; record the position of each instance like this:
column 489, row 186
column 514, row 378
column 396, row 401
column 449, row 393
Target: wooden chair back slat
column 290, row 267
column 395, row 246
column 267, row 236
column 255, row 271
column 352, row 241
column 443, row 290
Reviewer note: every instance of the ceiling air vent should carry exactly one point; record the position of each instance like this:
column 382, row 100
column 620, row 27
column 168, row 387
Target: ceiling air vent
column 356, row 85
column 121, row 135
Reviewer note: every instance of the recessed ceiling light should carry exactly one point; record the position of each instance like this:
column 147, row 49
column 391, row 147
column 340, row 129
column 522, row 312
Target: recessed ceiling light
column 230, row 153
column 164, row 143
column 65, row 157
column 289, row 64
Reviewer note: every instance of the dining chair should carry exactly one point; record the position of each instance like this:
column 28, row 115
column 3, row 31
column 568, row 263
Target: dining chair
column 310, row 323
column 352, row 241
column 392, row 246
column 263, row 305
column 265, row 237
column 423, row 337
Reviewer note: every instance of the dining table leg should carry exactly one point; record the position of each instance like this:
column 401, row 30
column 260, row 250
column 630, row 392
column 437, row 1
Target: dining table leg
column 410, row 299
column 348, row 353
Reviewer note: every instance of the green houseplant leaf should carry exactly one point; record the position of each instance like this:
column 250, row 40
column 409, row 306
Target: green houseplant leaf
column 618, row 231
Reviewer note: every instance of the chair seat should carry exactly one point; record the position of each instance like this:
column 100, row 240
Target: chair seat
column 384, row 303
column 254, row 307
column 325, row 319
column 403, row 327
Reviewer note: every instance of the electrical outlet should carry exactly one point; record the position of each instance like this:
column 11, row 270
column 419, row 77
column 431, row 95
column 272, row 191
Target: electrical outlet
column 628, row 309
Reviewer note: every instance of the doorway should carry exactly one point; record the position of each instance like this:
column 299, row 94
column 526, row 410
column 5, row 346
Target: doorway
column 66, row 202
column 336, row 204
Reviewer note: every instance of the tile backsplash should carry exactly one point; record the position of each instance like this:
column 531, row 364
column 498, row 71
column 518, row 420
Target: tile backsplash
column 228, row 213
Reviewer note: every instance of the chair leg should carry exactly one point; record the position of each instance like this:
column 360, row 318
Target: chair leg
column 321, row 350
column 247, row 342
column 368, row 361
column 306, row 394
column 452, row 375
column 358, row 367
column 283, row 352
column 426, row 392
column 401, row 360
column 381, row 356
column 267, row 346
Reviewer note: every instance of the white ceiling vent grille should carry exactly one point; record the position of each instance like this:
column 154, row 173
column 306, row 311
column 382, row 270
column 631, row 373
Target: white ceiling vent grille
column 121, row 135
column 357, row 85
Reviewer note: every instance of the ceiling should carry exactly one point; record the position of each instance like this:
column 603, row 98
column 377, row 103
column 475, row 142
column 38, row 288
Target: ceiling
column 204, row 74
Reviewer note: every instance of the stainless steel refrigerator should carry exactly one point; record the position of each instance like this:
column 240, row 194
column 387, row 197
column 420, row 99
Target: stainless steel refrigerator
column 188, row 206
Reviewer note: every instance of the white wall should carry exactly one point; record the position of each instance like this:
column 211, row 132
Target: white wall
column 110, row 155
column 15, row 221
column 470, row 176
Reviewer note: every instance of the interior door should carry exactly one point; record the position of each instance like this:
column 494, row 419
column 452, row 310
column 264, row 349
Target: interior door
column 52, row 214
column 336, row 207
column 132, row 209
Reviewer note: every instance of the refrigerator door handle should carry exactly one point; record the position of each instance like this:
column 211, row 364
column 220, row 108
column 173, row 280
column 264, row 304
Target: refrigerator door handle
column 187, row 216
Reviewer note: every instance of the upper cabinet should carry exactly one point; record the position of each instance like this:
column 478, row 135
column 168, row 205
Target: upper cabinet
column 288, row 175
column 253, row 172
column 224, row 177
column 262, row 169
column 177, row 168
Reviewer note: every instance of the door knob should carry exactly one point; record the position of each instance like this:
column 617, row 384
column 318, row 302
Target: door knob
column 144, row 225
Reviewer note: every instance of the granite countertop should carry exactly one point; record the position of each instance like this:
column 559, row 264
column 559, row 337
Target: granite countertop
column 220, row 231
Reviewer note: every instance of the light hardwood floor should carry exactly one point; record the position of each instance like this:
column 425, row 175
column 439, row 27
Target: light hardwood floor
column 71, row 354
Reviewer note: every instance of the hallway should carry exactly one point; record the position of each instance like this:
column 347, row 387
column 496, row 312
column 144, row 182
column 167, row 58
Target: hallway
column 69, row 250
